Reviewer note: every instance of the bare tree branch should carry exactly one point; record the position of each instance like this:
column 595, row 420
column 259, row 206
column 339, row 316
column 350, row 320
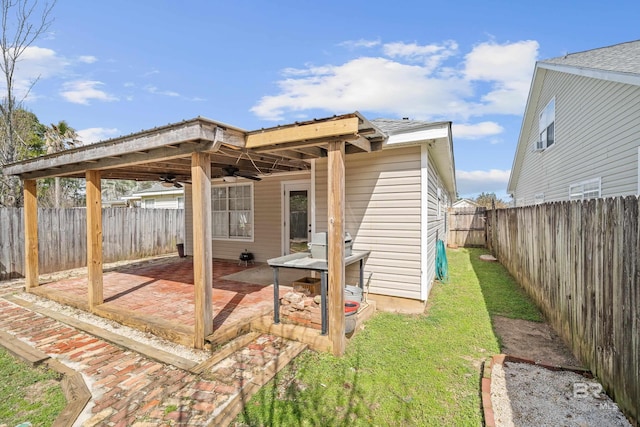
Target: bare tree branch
column 23, row 22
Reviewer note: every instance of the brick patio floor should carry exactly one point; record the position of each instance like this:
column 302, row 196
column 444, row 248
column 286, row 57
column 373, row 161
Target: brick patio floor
column 130, row 390
column 165, row 291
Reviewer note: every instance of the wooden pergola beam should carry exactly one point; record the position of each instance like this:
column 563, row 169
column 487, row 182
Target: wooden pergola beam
column 202, row 247
column 308, row 132
column 335, row 243
column 94, row 239
column 31, row 234
column 362, row 143
column 124, row 160
column 153, row 140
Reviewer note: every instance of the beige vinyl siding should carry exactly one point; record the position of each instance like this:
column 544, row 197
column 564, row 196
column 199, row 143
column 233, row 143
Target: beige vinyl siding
column 188, row 220
column 435, row 225
column 267, row 239
column 383, row 212
column 596, row 133
column 162, row 202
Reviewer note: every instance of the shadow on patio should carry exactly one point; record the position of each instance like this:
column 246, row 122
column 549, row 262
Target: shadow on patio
column 159, row 298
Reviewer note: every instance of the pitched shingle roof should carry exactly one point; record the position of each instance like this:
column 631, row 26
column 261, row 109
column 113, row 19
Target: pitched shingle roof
column 622, row 58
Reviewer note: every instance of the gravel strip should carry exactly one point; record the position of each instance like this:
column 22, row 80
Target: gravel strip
column 523, row 394
column 147, row 338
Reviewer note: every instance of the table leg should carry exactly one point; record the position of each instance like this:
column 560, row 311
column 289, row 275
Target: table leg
column 276, row 297
column 323, row 301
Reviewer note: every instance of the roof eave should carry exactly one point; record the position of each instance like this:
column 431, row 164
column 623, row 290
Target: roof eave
column 526, row 121
column 595, row 73
column 439, row 140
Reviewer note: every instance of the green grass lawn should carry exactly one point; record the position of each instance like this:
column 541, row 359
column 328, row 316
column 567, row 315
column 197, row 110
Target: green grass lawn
column 502, row 294
column 28, row 394
column 421, row 370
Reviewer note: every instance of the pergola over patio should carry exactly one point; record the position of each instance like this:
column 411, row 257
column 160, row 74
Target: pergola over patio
column 194, row 151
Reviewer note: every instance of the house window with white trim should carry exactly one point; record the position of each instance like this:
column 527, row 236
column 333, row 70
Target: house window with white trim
column 590, row 189
column 180, row 202
column 149, row 203
column 232, row 211
column 546, row 126
column 538, row 198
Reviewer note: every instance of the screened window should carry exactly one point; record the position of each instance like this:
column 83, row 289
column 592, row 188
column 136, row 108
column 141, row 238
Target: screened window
column 546, row 126
column 538, row 198
column 149, row 203
column 232, row 215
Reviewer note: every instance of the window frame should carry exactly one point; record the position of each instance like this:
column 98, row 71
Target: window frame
column 577, row 190
column 228, row 237
column 151, row 201
column 546, row 120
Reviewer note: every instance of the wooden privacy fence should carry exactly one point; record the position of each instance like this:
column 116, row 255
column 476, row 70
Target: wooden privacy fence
column 580, row 263
column 467, row 227
column 126, row 234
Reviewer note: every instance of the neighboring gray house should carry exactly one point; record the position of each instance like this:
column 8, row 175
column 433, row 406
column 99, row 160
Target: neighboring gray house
column 580, row 133
column 396, row 204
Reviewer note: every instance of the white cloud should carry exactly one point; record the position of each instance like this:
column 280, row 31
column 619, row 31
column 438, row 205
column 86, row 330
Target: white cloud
column 354, row 44
column 509, row 67
column 83, row 91
column 490, row 181
column 87, row 59
column 476, row 130
column 91, row 135
column 35, row 63
column 368, row 83
column 151, row 73
column 154, row 90
column 409, row 79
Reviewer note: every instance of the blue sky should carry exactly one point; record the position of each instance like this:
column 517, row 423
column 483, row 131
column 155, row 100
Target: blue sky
column 115, row 67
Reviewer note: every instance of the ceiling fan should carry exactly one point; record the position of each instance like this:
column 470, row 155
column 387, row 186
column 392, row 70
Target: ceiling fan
column 169, row 180
column 232, row 171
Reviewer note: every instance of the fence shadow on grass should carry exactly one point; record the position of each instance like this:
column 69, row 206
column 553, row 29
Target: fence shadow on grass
column 287, row 400
column 503, row 296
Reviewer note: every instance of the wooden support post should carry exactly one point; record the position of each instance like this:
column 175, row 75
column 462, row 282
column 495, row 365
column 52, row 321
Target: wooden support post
column 94, row 238
column 202, row 246
column 31, row 234
column 335, row 244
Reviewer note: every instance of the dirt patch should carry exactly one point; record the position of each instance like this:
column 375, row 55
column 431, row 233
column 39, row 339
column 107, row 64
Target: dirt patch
column 534, row 341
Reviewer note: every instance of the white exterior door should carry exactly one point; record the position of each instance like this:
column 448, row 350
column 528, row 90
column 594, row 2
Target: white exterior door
column 296, row 216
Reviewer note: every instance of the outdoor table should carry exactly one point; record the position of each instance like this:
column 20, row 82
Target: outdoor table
column 304, row 261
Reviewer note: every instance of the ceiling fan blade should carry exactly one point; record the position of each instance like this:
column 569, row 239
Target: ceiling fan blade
column 248, row 176
column 229, row 170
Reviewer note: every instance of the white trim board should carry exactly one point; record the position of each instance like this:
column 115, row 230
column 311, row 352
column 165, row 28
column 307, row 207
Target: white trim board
column 424, row 221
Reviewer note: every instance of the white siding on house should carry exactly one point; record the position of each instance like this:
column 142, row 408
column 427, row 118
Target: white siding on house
column 267, row 241
column 383, row 214
column 162, row 202
column 596, row 136
column 436, row 224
